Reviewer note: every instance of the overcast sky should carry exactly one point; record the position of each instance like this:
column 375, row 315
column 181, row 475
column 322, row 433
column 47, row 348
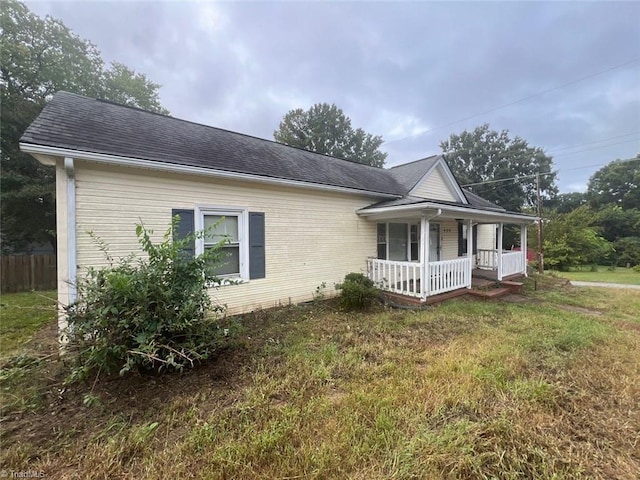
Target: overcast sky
column 563, row 76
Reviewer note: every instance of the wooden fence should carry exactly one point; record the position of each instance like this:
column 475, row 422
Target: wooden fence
column 20, row 273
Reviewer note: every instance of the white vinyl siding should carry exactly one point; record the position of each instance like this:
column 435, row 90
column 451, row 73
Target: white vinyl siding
column 487, row 236
column 303, row 228
column 449, row 240
column 435, row 186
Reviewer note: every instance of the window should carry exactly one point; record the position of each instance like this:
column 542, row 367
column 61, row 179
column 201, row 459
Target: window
column 227, row 225
column 382, row 241
column 398, row 241
column 415, row 242
column 462, row 239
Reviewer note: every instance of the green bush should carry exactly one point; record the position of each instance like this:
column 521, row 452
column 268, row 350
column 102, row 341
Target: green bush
column 150, row 313
column 357, row 292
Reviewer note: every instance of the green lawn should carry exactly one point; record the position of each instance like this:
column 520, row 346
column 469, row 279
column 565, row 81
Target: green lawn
column 543, row 388
column 21, row 315
column 604, row 274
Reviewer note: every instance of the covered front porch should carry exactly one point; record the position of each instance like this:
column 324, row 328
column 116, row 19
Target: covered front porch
column 431, row 252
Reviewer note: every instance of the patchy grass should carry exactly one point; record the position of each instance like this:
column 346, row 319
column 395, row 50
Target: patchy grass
column 545, row 388
column 603, row 274
column 23, row 314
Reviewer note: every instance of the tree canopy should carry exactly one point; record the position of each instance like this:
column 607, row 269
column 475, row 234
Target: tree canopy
column 326, row 129
column 38, row 57
column 484, row 155
column 617, row 182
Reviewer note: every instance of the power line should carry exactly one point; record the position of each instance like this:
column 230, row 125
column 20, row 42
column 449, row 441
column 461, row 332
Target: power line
column 596, row 148
column 596, row 141
column 522, row 177
column 523, row 99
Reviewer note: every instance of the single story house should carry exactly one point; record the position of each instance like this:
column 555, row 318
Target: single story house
column 296, row 219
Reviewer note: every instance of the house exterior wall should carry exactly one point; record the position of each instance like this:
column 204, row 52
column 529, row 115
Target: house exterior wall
column 448, row 240
column 435, row 186
column 487, row 236
column 311, row 236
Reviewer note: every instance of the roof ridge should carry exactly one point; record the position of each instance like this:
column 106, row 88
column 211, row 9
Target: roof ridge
column 416, row 161
column 116, row 104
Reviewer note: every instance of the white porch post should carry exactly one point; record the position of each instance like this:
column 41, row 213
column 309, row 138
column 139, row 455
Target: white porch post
column 470, row 250
column 500, row 232
column 424, row 257
column 523, row 246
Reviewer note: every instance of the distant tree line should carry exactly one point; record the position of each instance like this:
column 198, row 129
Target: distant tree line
column 600, row 226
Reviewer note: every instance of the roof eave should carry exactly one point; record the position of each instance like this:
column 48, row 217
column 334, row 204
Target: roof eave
column 42, row 151
column 418, row 208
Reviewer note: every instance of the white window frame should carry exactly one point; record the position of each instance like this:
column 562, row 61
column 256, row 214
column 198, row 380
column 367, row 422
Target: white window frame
column 243, row 234
column 408, row 224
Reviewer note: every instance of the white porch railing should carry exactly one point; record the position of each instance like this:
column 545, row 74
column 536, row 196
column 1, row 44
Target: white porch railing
column 448, row 275
column 487, row 259
column 398, row 277
column 512, row 263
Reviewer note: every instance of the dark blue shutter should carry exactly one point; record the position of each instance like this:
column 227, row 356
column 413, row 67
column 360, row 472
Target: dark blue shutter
column 185, row 227
column 256, row 245
column 475, row 239
column 462, row 243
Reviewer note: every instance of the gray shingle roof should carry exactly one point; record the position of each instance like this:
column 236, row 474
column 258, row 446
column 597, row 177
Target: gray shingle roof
column 408, row 174
column 79, row 123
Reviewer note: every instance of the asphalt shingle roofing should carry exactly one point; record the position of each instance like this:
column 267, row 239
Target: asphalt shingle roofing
column 84, row 124
column 79, row 123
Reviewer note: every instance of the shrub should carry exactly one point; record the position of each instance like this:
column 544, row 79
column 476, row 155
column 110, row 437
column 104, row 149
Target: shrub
column 151, row 313
column 358, row 292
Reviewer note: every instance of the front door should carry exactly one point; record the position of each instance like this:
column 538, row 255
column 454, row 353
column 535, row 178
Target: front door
column 434, row 242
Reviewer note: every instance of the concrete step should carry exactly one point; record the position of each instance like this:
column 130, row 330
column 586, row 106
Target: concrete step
column 489, row 294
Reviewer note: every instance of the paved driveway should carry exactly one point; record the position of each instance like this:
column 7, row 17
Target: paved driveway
column 603, row 284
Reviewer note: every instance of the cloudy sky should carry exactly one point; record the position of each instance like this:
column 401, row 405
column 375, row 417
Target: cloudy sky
column 563, row 76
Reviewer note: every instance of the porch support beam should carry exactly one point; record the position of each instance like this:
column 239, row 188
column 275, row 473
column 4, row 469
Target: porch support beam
column 523, row 246
column 470, row 250
column 424, row 256
column 500, row 235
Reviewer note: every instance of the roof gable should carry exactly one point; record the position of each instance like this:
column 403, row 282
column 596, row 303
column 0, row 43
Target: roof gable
column 431, row 178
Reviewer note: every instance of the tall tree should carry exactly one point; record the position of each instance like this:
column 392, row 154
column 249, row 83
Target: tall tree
column 38, row 57
column 326, row 129
column 485, row 155
column 617, row 182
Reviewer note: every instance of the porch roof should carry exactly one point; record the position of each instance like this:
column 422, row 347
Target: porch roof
column 415, row 206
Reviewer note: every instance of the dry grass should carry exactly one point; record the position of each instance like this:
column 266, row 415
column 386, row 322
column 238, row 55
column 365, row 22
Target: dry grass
column 546, row 388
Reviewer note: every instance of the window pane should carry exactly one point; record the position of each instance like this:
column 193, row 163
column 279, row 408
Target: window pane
column 382, row 233
column 415, row 233
column 230, row 262
column 415, row 251
column 398, row 241
column 227, row 227
column 382, row 251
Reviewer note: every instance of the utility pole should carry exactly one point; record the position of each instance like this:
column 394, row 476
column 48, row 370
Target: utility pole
column 540, row 253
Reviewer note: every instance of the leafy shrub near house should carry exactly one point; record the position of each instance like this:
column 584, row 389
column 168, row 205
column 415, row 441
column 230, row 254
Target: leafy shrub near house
column 148, row 313
column 357, row 292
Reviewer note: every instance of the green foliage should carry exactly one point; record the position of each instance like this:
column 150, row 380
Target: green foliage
column 627, row 251
column 566, row 202
column 570, row 239
column 358, row 292
column 151, row 313
column 616, row 183
column 40, row 56
column 485, row 154
column 617, row 222
column 326, row 129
